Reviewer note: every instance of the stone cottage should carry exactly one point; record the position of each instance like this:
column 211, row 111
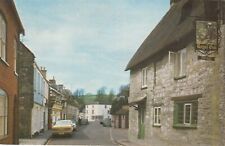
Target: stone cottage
column 177, row 94
column 10, row 30
column 33, row 94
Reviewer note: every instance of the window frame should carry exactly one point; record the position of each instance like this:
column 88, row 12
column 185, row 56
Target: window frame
column 5, row 113
column 157, row 116
column 3, row 39
column 15, row 47
column 180, row 114
column 180, row 64
column 144, row 78
column 185, row 114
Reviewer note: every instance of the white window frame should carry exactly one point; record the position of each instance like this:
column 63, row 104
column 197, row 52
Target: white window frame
column 15, row 46
column 185, row 105
column 144, row 77
column 157, row 116
column 3, row 36
column 180, row 63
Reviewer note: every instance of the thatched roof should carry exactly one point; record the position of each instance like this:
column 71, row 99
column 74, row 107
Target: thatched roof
column 174, row 31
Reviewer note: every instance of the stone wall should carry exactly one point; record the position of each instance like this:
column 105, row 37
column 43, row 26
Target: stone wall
column 25, row 72
column 204, row 78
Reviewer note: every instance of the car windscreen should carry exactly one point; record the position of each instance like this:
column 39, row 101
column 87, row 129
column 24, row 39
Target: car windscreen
column 63, row 123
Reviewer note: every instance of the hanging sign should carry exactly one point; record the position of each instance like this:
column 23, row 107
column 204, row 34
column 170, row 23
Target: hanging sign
column 206, row 39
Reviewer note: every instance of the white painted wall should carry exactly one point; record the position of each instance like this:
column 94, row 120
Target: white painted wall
column 40, row 110
column 37, row 118
column 99, row 110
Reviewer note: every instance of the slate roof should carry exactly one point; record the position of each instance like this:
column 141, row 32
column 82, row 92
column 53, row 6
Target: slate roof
column 174, row 31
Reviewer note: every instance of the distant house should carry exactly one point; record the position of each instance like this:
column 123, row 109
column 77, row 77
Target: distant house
column 96, row 112
column 10, row 30
column 176, row 97
column 33, row 94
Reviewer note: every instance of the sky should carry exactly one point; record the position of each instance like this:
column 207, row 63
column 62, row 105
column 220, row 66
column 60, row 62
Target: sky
column 88, row 43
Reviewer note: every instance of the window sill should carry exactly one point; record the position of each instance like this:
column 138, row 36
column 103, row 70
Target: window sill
column 182, row 126
column 180, row 77
column 16, row 74
column 144, row 87
column 156, row 125
column 6, row 63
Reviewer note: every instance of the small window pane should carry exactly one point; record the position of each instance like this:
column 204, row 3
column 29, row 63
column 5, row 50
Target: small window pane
column 187, row 114
column 155, row 117
column 1, row 126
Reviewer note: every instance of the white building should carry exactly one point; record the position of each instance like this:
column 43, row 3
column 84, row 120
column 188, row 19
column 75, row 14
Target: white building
column 95, row 112
column 39, row 116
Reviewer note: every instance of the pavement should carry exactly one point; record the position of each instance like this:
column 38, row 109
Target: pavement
column 120, row 136
column 40, row 139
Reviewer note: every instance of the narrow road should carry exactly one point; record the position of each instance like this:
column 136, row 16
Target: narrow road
column 92, row 134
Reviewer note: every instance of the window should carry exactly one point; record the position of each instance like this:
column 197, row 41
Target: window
column 3, row 113
column 185, row 113
column 93, row 111
column 144, row 77
column 180, row 63
column 87, row 111
column 15, row 55
column 105, row 106
column 157, row 116
column 2, row 38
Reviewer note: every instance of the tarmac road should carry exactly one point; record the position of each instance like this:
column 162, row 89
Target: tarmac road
column 91, row 134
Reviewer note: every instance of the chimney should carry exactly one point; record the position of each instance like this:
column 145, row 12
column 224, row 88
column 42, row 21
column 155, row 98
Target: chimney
column 60, row 87
column 43, row 71
column 52, row 81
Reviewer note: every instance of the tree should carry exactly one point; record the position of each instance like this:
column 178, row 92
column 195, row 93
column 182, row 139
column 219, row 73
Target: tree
column 111, row 96
column 122, row 99
column 101, row 95
column 79, row 93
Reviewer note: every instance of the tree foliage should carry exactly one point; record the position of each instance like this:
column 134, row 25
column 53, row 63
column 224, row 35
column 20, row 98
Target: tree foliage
column 122, row 99
column 103, row 98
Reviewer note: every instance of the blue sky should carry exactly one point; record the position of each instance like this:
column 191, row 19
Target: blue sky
column 88, row 43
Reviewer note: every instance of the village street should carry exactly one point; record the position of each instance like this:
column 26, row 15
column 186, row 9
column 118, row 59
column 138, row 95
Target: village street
column 91, row 134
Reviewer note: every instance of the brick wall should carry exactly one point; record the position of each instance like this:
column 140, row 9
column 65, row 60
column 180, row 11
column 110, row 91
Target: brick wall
column 8, row 78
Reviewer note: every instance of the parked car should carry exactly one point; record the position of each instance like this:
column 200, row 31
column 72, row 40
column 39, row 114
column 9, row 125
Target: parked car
column 106, row 122
column 63, row 127
column 74, row 125
column 84, row 121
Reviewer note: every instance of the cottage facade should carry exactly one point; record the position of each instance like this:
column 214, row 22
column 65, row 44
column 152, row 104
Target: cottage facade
column 10, row 30
column 175, row 98
column 33, row 94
